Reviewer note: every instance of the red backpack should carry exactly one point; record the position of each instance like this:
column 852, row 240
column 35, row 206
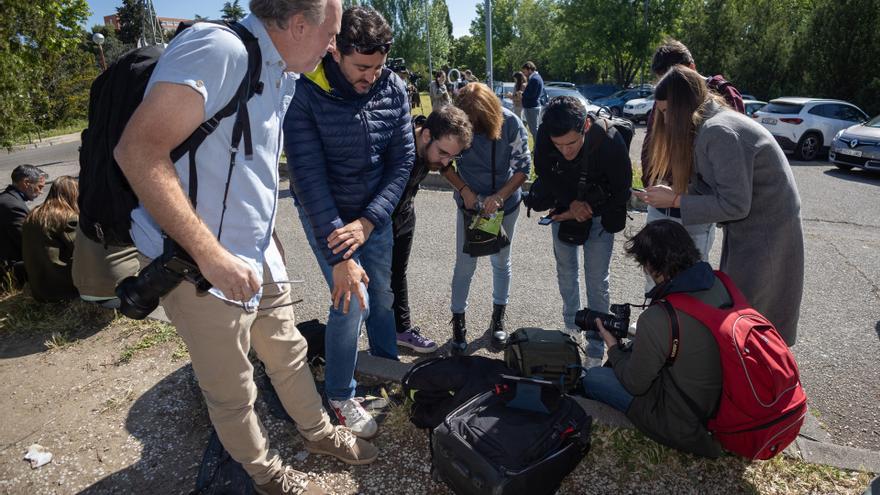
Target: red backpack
column 762, row 404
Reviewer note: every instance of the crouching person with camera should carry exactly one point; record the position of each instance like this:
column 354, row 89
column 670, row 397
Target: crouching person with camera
column 584, row 173
column 660, row 382
column 224, row 230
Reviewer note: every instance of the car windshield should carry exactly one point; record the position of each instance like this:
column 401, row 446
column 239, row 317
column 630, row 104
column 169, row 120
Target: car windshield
column 774, row 107
column 875, row 122
column 617, row 94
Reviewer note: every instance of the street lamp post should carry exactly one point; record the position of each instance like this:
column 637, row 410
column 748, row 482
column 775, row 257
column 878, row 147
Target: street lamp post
column 488, row 11
column 428, row 31
column 98, row 39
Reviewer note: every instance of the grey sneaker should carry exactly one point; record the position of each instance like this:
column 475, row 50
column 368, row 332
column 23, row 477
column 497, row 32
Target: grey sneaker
column 352, row 414
column 343, row 445
column 414, row 340
column 289, row 482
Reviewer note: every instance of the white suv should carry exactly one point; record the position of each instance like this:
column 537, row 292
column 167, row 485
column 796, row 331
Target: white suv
column 807, row 125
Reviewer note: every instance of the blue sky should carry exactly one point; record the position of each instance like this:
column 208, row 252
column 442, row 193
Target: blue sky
column 460, row 11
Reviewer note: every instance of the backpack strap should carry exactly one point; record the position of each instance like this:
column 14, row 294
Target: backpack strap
column 739, row 300
column 249, row 86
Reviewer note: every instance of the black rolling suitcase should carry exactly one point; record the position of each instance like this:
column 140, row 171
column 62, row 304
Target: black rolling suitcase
column 524, row 437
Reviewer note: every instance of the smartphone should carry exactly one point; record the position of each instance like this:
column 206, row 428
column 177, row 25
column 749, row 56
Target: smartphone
column 545, row 220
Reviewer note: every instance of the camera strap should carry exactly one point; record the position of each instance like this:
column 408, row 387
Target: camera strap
column 592, row 156
column 674, row 346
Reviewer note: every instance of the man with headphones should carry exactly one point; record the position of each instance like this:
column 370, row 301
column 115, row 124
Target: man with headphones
column 583, row 167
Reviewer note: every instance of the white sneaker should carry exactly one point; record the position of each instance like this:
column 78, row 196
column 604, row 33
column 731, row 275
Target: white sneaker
column 352, row 414
column 632, row 330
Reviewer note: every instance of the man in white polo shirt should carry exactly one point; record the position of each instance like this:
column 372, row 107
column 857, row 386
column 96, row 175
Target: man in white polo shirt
column 229, row 234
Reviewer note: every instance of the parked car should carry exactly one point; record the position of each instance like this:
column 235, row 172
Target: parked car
column 560, row 84
column 857, row 146
column 616, row 101
column 807, row 125
column 639, row 109
column 746, row 96
column 753, row 105
column 502, row 89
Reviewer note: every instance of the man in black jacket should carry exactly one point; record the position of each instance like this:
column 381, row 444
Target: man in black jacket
column 583, row 166
column 27, row 183
column 439, row 138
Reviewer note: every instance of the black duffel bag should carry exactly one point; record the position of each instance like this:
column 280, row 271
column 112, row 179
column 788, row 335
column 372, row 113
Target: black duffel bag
column 524, row 437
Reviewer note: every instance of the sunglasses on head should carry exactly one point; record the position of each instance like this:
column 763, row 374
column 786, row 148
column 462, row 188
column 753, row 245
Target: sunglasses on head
column 368, row 49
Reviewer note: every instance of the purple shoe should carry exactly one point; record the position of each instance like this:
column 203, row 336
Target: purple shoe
column 414, row 340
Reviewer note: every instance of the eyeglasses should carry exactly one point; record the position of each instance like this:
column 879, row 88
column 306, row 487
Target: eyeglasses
column 445, row 154
column 368, row 49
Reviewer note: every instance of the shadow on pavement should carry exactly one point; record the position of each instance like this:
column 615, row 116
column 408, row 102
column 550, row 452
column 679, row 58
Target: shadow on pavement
column 856, row 175
column 877, row 329
column 170, row 422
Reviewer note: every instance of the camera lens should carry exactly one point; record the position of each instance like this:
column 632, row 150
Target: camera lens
column 139, row 296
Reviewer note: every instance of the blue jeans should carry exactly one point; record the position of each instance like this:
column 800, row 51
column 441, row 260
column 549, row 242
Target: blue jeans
column 702, row 234
column 597, row 260
column 465, row 265
column 341, row 338
column 601, row 384
column 531, row 117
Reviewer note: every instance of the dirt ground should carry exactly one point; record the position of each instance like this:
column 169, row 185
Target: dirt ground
column 119, row 408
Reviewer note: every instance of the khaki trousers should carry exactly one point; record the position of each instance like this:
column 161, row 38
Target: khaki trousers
column 219, row 335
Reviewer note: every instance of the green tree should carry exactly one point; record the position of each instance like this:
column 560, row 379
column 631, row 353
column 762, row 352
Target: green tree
column 615, row 33
column 131, row 15
column 232, row 11
column 37, row 41
column 837, row 57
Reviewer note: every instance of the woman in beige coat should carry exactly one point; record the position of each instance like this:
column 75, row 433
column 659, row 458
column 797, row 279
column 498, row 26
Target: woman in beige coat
column 729, row 170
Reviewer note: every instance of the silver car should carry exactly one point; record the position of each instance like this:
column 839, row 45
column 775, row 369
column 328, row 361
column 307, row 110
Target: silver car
column 857, row 146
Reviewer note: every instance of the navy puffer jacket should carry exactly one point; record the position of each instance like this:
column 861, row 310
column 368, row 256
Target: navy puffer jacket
column 349, row 155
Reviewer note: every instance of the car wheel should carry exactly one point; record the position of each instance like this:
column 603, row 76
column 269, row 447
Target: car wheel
column 846, row 168
column 808, row 147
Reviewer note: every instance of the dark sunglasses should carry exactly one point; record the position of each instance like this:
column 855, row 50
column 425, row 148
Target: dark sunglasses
column 368, row 49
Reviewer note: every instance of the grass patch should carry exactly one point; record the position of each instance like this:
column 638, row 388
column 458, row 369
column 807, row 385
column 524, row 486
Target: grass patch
column 116, row 403
column 61, row 324
column 22, row 315
column 157, row 333
column 638, row 458
column 74, row 126
column 56, row 341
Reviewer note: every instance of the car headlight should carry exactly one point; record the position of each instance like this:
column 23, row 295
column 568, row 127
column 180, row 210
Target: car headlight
column 640, row 106
column 839, row 133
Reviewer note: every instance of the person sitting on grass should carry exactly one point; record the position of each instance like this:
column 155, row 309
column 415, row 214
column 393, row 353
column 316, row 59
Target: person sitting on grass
column 47, row 237
column 639, row 382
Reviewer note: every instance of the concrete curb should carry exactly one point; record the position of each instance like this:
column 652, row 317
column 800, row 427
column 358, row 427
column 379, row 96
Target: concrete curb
column 67, row 138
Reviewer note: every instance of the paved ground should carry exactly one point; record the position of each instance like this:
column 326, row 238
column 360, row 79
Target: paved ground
column 839, row 338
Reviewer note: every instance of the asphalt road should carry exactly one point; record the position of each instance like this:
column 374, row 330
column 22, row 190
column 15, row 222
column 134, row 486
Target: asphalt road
column 839, row 333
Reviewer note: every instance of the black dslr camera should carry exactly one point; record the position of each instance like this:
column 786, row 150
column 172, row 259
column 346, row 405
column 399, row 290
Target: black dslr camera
column 139, row 295
column 616, row 323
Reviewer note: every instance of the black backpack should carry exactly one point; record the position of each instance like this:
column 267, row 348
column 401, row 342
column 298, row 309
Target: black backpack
column 522, row 437
column 436, row 386
column 105, row 197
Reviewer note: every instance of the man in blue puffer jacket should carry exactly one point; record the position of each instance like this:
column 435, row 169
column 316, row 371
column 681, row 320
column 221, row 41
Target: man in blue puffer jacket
column 350, row 150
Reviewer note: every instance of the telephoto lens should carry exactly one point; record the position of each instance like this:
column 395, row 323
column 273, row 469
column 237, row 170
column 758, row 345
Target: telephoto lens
column 139, row 295
column 616, row 323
